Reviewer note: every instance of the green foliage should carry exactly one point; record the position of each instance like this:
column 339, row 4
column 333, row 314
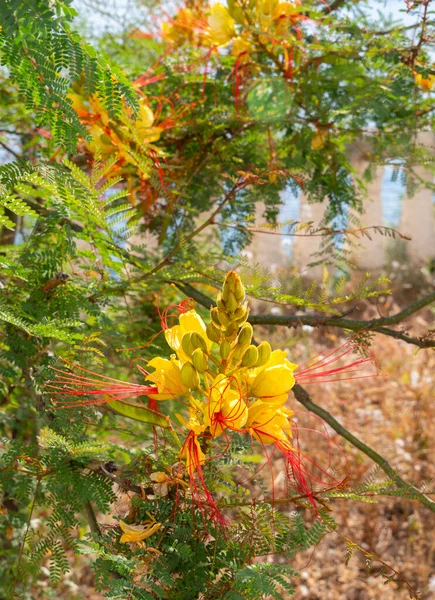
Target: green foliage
column 45, row 57
column 79, row 283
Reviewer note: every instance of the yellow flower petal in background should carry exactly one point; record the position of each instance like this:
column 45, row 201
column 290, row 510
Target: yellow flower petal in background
column 144, row 124
column 425, row 82
column 221, row 25
column 166, row 377
column 318, row 141
column 137, row 533
column 161, row 483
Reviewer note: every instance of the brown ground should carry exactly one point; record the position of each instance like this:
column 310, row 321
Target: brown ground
column 394, row 414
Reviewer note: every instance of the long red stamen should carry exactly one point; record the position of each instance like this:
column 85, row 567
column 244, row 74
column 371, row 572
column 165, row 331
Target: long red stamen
column 190, row 448
column 317, row 371
column 105, row 388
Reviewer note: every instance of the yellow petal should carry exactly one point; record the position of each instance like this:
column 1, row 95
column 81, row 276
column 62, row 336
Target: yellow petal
column 137, row 533
column 221, row 24
column 273, row 381
column 167, row 377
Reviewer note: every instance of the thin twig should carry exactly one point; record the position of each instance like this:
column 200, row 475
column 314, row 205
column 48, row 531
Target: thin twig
column 91, row 518
column 168, row 258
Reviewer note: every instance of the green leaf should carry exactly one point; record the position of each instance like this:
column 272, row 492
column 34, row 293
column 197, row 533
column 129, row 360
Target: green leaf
column 140, row 413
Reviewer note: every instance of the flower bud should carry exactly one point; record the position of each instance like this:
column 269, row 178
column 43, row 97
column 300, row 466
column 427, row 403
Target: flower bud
column 221, row 304
column 245, row 335
column 197, row 341
column 224, row 318
column 226, row 293
column 186, row 344
column 213, row 333
column 231, row 330
column 264, row 351
column 250, row 357
column 189, row 375
column 200, row 361
column 232, row 303
column 214, row 314
column 239, row 313
column 225, row 349
column 232, row 282
column 239, row 291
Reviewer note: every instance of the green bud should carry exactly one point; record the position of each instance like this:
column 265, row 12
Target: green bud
column 224, row 318
column 264, row 351
column 225, row 349
column 189, row 375
column 231, row 330
column 186, row 344
column 240, row 312
column 226, row 293
column 221, row 304
column 250, row 357
column 245, row 335
column 200, row 361
column 232, row 303
column 239, row 291
column 213, row 333
column 197, row 341
column 214, row 314
column 242, row 319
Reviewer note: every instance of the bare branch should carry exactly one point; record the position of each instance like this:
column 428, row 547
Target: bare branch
column 303, row 397
column 375, row 325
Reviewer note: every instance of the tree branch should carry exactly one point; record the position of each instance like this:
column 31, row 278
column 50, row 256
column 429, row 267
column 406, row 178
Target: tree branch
column 303, row 397
column 375, row 325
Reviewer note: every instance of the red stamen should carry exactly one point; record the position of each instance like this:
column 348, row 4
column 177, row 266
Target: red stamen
column 316, row 370
column 106, row 388
column 190, row 448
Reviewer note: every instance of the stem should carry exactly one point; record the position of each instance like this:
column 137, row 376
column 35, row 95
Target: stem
column 91, row 518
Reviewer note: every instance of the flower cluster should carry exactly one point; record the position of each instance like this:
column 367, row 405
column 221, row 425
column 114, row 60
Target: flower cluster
column 228, row 383
column 129, row 140
column 232, row 24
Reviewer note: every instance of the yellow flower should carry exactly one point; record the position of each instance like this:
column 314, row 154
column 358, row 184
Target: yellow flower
column 167, row 378
column 269, row 6
column 273, row 384
column 225, row 407
column 221, row 25
column 272, row 381
column 241, row 49
column 138, row 533
column 286, row 13
column 425, row 82
column 268, row 423
column 190, row 322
